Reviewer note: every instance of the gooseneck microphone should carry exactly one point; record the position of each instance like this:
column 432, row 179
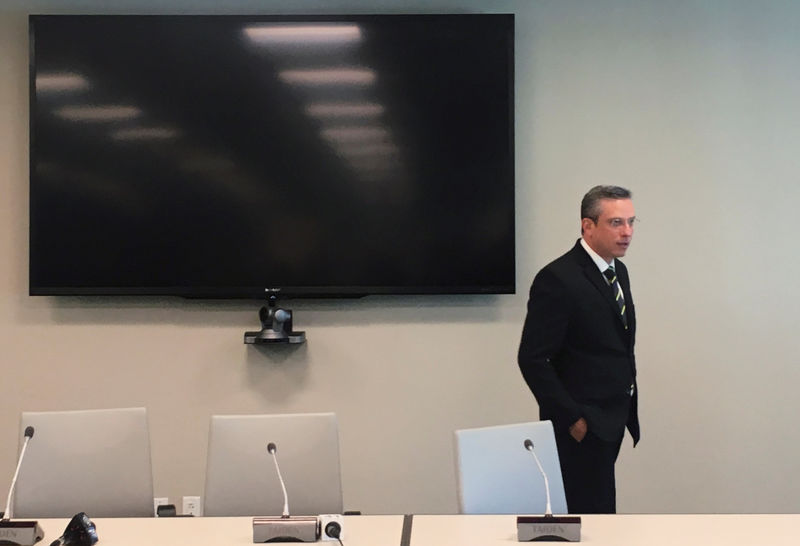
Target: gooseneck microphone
column 23, row 533
column 547, row 527
column 529, row 446
column 272, row 450
column 285, row 528
column 28, row 435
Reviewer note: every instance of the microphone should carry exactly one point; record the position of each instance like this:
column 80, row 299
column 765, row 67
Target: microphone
column 28, row 435
column 23, row 533
column 547, row 527
column 272, row 449
column 284, row 528
column 529, row 446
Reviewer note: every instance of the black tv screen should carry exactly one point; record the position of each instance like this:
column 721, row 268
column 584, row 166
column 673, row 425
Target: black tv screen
column 238, row 156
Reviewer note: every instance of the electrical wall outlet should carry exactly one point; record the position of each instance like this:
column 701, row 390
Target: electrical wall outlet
column 159, row 501
column 192, row 506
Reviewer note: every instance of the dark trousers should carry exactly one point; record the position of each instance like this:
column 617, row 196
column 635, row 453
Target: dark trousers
column 587, row 468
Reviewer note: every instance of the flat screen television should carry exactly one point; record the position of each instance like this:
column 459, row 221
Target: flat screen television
column 243, row 156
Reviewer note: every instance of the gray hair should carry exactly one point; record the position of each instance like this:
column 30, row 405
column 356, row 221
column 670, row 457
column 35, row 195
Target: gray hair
column 590, row 205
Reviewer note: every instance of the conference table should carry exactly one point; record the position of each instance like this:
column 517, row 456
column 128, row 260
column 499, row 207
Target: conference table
column 457, row 530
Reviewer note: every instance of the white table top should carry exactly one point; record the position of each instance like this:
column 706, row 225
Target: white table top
column 459, row 530
column 619, row 530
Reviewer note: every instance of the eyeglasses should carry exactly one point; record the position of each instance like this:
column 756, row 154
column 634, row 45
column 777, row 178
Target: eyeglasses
column 617, row 223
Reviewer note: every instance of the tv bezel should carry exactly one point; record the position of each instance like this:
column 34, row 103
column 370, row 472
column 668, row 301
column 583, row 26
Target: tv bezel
column 286, row 291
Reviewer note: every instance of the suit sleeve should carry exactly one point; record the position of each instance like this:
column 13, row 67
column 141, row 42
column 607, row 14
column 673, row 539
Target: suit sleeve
column 543, row 336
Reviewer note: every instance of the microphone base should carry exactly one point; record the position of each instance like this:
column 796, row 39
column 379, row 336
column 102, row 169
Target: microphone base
column 548, row 528
column 285, row 529
column 20, row 533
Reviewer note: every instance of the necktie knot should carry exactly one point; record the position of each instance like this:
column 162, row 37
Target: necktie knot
column 610, row 274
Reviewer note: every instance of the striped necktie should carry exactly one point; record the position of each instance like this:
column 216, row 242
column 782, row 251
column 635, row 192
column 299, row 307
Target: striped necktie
column 611, row 275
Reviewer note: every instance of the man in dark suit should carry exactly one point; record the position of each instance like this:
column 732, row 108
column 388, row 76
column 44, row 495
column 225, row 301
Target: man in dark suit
column 576, row 352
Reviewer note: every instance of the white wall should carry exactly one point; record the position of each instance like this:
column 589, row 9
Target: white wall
column 694, row 105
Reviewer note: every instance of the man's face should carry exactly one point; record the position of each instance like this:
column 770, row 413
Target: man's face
column 612, row 233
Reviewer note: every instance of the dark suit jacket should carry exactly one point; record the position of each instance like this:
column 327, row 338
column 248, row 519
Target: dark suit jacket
column 576, row 355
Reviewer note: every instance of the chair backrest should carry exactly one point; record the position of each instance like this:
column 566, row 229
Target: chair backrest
column 497, row 475
column 241, row 479
column 93, row 461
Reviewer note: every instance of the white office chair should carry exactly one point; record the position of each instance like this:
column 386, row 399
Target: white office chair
column 241, row 479
column 94, row 461
column 497, row 475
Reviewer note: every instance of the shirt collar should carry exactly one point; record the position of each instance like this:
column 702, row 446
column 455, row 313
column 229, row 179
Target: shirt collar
column 602, row 265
